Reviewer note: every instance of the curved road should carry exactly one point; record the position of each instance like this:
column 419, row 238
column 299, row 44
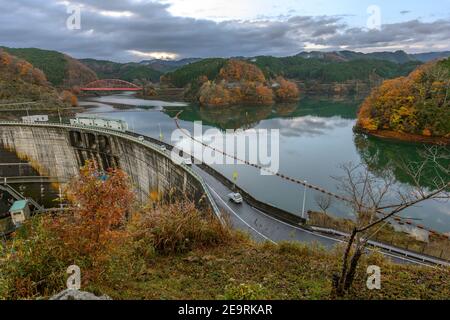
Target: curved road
column 263, row 227
column 260, row 225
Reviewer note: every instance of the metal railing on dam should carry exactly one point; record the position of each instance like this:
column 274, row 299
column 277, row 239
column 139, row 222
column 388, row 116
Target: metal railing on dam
column 146, row 144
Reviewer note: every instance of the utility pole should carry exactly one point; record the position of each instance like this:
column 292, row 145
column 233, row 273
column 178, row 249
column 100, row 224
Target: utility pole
column 304, row 201
column 161, row 136
column 59, row 115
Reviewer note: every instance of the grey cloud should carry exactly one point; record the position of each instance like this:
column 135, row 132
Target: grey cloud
column 32, row 23
column 326, row 30
column 410, row 34
column 308, row 126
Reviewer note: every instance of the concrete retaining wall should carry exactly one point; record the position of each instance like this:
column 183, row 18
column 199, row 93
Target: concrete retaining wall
column 60, row 152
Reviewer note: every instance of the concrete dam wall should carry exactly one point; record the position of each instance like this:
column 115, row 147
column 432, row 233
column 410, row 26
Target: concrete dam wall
column 60, row 150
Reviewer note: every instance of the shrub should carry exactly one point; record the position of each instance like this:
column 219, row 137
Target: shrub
column 110, row 250
column 288, row 91
column 177, row 228
column 237, row 70
column 101, row 202
column 34, row 263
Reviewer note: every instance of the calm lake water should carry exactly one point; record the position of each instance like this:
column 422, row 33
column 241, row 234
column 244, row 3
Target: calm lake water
column 316, row 138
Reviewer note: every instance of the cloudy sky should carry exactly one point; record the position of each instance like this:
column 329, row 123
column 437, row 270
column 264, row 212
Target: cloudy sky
column 133, row 30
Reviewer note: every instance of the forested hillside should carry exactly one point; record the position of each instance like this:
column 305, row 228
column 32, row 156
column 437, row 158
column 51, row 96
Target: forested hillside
column 61, row 70
column 322, row 69
column 417, row 104
column 20, row 81
column 325, row 70
column 165, row 66
column 185, row 75
column 124, row 71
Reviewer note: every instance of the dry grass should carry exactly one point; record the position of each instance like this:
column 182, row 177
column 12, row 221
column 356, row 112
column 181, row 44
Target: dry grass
column 175, row 251
column 178, row 227
column 264, row 271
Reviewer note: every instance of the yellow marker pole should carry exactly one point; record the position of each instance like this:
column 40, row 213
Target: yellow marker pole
column 161, row 136
column 235, row 177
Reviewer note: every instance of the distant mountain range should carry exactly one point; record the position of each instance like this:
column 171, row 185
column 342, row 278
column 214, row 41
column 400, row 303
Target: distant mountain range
column 425, row 57
column 324, row 68
column 64, row 71
column 396, row 57
column 126, row 71
column 168, row 65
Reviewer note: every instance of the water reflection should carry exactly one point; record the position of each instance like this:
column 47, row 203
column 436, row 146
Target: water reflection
column 382, row 155
column 234, row 117
column 127, row 99
column 316, row 137
column 308, row 113
column 308, row 125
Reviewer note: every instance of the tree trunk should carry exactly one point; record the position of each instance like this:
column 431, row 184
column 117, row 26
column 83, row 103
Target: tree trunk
column 353, row 266
column 340, row 284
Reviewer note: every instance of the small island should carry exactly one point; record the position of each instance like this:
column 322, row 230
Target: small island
column 415, row 108
column 238, row 82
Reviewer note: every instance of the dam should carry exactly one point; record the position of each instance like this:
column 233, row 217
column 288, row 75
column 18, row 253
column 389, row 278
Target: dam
column 59, row 150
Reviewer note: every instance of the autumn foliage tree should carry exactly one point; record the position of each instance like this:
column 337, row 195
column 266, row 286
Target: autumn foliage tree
column 287, row 90
column 21, row 69
column 69, row 97
column 214, row 94
column 257, row 93
column 100, row 202
column 417, row 104
column 21, row 81
column 240, row 82
column 238, row 70
column 91, row 234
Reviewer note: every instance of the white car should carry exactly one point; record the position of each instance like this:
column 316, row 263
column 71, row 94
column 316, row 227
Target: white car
column 141, row 138
column 162, row 148
column 187, row 161
column 236, row 197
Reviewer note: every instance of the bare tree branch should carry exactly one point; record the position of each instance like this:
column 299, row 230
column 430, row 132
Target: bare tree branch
column 371, row 197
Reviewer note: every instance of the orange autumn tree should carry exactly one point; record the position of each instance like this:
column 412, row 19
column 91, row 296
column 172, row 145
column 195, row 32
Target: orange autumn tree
column 416, row 104
column 241, row 82
column 101, row 202
column 214, row 94
column 5, row 59
column 69, row 97
column 389, row 106
column 287, row 91
column 237, row 70
column 256, row 93
column 238, row 82
column 22, row 69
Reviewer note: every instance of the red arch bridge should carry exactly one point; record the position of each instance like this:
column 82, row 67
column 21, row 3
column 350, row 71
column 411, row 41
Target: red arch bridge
column 111, row 85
